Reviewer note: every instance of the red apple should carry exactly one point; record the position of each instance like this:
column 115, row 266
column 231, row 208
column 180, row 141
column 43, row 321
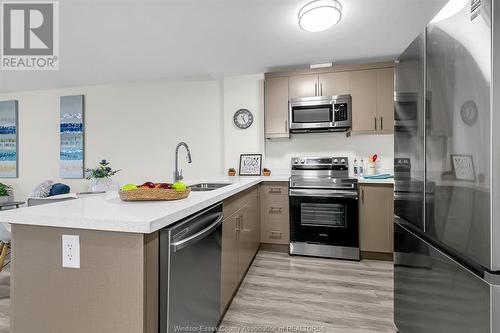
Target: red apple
column 148, row 184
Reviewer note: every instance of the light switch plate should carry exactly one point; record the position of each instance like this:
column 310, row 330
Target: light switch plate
column 71, row 251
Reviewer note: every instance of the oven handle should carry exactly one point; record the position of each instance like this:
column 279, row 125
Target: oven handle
column 324, row 193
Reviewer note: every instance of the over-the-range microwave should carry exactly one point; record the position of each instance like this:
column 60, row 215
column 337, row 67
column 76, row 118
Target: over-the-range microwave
column 320, row 114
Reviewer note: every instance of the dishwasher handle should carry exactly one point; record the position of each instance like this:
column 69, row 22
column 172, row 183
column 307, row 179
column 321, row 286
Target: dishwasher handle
column 197, row 236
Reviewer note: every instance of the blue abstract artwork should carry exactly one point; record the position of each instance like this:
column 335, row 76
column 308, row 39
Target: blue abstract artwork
column 8, row 139
column 72, row 137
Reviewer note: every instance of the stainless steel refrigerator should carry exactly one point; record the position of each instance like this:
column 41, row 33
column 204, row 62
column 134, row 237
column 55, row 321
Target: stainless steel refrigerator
column 447, row 175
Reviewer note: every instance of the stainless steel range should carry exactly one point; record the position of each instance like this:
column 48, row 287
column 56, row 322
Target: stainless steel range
column 323, row 208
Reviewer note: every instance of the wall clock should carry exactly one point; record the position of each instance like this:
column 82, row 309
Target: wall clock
column 469, row 113
column 243, row 118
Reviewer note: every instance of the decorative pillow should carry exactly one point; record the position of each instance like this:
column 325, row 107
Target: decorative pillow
column 59, row 188
column 42, row 190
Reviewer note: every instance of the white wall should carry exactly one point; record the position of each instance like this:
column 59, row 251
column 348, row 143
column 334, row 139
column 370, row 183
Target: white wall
column 279, row 152
column 136, row 126
column 243, row 92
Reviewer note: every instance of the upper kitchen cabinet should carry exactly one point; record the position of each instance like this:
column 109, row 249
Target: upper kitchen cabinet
column 327, row 84
column 385, row 99
column 304, row 86
column 372, row 94
column 276, row 107
column 332, row 84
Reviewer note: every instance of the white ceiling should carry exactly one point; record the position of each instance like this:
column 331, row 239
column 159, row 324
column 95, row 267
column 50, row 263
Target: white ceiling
column 117, row 41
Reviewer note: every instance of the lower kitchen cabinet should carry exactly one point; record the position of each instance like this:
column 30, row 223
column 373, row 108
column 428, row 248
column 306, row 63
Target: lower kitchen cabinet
column 275, row 220
column 240, row 241
column 376, row 211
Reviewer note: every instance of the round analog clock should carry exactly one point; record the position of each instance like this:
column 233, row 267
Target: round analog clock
column 469, row 113
column 243, row 118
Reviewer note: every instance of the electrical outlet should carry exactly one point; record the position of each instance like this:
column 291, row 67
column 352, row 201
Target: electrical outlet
column 71, row 251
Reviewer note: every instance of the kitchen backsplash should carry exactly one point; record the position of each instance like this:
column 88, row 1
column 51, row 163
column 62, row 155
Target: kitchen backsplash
column 280, row 151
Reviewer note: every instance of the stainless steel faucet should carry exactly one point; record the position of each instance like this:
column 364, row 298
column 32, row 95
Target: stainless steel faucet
column 178, row 173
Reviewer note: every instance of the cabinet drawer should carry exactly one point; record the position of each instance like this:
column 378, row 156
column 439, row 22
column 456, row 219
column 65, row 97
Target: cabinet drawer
column 275, row 208
column 274, row 189
column 275, row 232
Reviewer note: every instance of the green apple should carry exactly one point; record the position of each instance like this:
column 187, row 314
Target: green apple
column 179, row 186
column 129, row 187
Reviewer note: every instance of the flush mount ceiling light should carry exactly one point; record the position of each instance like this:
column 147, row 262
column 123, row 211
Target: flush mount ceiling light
column 320, row 15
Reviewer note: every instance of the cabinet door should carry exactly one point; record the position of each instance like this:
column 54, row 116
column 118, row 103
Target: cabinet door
column 385, row 99
column 364, row 100
column 276, row 107
column 376, row 211
column 304, row 85
column 229, row 260
column 254, row 218
column 333, row 84
column 245, row 237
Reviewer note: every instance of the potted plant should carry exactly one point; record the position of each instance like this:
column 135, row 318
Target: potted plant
column 5, row 192
column 231, row 172
column 266, row 172
column 100, row 177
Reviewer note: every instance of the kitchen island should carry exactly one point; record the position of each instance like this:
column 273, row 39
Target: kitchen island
column 116, row 287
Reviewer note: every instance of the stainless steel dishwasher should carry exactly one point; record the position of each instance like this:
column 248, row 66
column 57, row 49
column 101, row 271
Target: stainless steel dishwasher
column 190, row 273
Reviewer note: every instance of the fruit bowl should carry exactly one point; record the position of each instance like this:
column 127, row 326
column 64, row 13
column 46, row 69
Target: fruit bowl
column 153, row 194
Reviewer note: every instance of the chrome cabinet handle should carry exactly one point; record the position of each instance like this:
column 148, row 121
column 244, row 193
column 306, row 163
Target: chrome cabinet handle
column 315, row 89
column 275, row 190
column 286, row 126
column 382, row 123
column 375, row 123
column 276, row 209
column 362, row 196
column 197, row 236
column 276, row 233
column 321, row 89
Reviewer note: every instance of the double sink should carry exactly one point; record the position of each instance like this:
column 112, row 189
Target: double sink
column 205, row 187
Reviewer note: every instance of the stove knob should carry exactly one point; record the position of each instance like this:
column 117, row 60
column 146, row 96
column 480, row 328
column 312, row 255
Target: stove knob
column 335, row 161
column 342, row 161
column 295, row 161
column 303, row 161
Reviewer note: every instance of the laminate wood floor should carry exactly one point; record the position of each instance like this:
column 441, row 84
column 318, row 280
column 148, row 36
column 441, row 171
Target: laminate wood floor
column 282, row 293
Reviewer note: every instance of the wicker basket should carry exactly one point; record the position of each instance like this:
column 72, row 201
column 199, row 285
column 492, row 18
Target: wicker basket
column 153, row 194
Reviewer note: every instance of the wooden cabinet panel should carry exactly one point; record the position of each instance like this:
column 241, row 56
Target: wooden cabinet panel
column 240, row 240
column 229, row 260
column 376, row 211
column 364, row 100
column 304, row 85
column 385, row 99
column 275, row 225
column 276, row 107
column 332, row 84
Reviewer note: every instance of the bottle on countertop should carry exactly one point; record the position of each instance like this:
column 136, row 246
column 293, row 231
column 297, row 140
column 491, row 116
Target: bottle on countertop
column 361, row 168
column 355, row 167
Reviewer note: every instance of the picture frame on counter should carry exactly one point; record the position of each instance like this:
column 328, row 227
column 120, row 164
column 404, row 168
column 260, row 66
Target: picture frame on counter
column 250, row 164
column 463, row 167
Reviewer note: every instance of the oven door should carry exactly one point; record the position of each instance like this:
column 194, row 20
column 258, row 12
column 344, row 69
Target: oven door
column 327, row 217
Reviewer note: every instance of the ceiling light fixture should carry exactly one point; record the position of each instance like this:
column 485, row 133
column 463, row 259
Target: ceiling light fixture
column 320, row 15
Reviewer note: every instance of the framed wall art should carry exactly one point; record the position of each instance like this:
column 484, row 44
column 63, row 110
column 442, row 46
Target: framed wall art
column 8, row 139
column 72, row 137
column 250, row 164
column 463, row 167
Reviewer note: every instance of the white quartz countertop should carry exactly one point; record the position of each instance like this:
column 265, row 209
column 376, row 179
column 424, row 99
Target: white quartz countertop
column 108, row 213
